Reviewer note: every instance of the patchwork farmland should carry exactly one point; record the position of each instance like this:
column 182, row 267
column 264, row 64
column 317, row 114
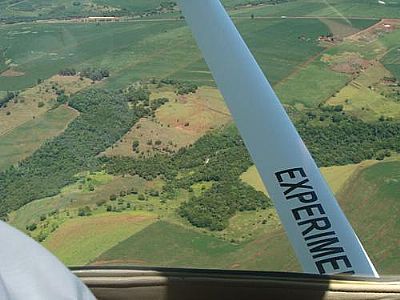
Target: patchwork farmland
column 117, row 148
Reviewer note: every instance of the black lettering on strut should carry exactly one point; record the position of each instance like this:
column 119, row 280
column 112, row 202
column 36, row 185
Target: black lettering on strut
column 294, row 186
column 317, row 224
column 314, row 222
column 322, row 247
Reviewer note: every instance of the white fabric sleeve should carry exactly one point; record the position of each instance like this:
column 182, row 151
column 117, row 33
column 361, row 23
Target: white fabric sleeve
column 29, row 271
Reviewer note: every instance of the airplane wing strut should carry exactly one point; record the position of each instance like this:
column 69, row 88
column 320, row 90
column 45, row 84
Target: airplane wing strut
column 322, row 237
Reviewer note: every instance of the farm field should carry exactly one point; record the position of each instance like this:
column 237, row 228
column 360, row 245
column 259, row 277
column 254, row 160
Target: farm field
column 34, row 102
column 187, row 248
column 333, row 8
column 178, row 247
column 343, row 67
column 45, row 9
column 96, row 194
column 25, row 139
column 392, row 62
column 178, row 123
column 246, row 229
column 371, row 202
column 142, row 48
column 364, row 97
column 262, row 250
column 78, row 241
column 139, row 6
column 3, row 65
column 336, row 176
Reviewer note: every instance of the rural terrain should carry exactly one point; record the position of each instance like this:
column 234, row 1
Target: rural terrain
column 116, row 147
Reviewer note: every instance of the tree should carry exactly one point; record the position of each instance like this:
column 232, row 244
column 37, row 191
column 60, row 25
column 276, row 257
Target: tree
column 31, row 227
column 135, row 145
column 85, row 211
column 67, row 71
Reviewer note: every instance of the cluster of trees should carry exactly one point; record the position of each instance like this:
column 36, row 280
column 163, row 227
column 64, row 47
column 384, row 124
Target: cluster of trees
column 215, row 206
column 104, row 117
column 165, row 6
column 84, row 211
column 205, row 161
column 138, row 94
column 168, row 5
column 259, row 2
column 182, row 87
column 95, row 74
column 67, row 72
column 7, row 98
column 350, row 141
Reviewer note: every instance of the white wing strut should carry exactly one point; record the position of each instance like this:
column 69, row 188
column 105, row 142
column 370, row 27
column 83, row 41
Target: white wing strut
column 28, row 271
column 321, row 236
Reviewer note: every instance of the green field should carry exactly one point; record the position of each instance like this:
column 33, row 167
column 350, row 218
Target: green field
column 302, row 87
column 3, row 65
column 134, row 51
column 78, row 241
column 41, row 50
column 370, row 201
column 166, row 244
column 45, row 9
column 330, row 8
column 25, row 139
column 279, row 52
column 392, row 62
column 336, row 176
column 137, row 6
column 363, row 97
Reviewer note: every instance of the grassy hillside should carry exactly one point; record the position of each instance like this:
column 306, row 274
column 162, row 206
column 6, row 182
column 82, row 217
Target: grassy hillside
column 25, row 139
